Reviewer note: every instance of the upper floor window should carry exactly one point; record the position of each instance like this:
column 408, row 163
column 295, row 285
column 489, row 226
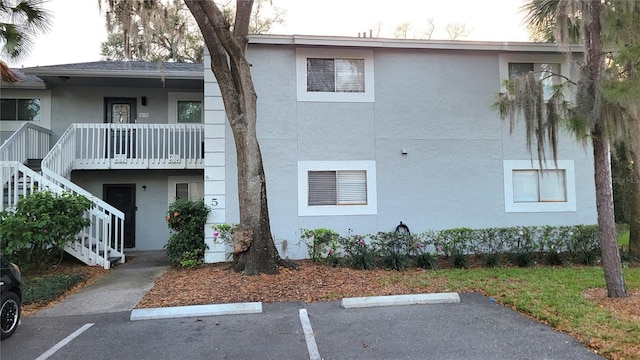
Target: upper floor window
column 335, row 75
column 189, row 111
column 20, row 109
column 185, row 107
column 528, row 188
column 546, row 72
column 544, row 66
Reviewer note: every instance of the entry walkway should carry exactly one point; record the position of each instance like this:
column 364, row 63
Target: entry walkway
column 118, row 290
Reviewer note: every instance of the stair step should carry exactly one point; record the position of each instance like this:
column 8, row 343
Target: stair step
column 34, row 164
column 114, row 260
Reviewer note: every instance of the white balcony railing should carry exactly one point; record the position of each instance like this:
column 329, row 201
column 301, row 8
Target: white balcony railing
column 133, row 146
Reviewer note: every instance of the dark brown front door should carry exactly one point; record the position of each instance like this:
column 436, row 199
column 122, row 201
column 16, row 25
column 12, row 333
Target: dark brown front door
column 122, row 197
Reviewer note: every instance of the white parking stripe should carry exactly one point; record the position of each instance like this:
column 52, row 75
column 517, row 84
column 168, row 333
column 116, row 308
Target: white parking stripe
column 308, row 334
column 64, row 342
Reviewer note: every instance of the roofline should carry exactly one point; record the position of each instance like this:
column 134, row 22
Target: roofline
column 32, row 85
column 338, row 41
column 138, row 74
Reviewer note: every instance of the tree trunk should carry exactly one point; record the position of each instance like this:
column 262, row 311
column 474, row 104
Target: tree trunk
column 261, row 256
column 590, row 105
column 634, row 212
column 254, row 249
column 607, row 227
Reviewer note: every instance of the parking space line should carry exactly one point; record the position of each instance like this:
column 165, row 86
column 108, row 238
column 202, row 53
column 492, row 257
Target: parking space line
column 64, row 342
column 308, row 334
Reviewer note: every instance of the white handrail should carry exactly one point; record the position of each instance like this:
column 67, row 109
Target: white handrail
column 21, row 181
column 28, row 142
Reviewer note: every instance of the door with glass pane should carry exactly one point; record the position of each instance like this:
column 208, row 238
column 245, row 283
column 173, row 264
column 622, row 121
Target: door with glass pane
column 122, row 140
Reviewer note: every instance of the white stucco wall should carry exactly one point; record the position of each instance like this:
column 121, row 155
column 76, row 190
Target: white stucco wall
column 433, row 103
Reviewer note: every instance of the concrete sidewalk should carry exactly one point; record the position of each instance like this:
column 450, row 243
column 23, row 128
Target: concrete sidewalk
column 118, row 290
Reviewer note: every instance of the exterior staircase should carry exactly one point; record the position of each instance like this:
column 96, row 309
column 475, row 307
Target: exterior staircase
column 26, row 162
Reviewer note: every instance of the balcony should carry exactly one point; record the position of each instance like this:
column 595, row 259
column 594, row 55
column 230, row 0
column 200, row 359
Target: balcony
column 88, row 146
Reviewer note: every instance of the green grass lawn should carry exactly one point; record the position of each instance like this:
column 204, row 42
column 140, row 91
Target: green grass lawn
column 623, row 239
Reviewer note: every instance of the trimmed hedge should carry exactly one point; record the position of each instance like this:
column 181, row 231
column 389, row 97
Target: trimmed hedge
column 397, row 251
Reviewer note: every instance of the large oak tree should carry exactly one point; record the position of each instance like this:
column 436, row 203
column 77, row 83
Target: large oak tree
column 227, row 43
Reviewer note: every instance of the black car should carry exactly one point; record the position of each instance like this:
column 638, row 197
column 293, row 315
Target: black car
column 11, row 289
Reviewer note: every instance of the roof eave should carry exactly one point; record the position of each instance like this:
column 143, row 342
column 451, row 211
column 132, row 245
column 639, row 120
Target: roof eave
column 191, row 75
column 504, row 46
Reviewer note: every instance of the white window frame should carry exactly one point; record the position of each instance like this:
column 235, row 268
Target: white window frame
column 302, row 54
column 174, row 180
column 45, row 107
column 371, row 208
column 554, row 206
column 505, row 59
column 174, row 97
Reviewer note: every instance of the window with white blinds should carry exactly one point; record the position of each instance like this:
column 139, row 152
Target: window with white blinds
column 342, row 187
column 539, row 186
column 529, row 188
column 335, row 75
column 337, row 188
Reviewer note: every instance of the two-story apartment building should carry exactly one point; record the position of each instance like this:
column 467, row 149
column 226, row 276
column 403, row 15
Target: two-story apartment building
column 356, row 133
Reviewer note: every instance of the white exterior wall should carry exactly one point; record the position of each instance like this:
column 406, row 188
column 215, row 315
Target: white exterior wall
column 436, row 104
column 432, row 99
column 215, row 190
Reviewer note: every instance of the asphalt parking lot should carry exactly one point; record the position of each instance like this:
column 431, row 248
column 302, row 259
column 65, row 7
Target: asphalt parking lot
column 474, row 328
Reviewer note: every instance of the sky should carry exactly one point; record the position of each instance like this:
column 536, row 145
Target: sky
column 78, row 26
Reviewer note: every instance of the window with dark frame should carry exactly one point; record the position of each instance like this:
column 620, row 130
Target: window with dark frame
column 544, row 72
column 337, row 188
column 189, row 111
column 335, row 75
column 20, row 109
column 182, row 191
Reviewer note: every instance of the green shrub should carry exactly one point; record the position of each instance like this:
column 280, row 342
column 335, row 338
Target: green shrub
column 359, row 255
column 583, row 244
column 460, row 260
column 41, row 290
column 490, row 241
column 522, row 259
column 426, row 260
column 33, row 234
column 186, row 219
column 491, row 260
column 523, row 246
column 321, row 244
column 455, row 241
column 553, row 257
column 395, row 249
